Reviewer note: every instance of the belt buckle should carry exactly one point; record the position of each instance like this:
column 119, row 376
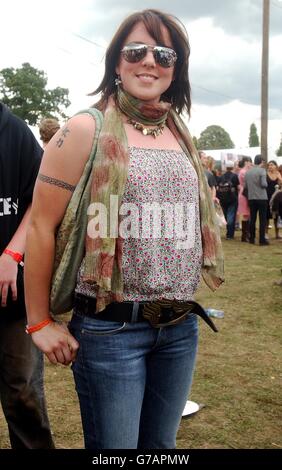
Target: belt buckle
column 152, row 312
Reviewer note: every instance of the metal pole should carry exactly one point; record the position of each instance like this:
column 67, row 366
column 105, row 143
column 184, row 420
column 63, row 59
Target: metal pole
column 264, row 79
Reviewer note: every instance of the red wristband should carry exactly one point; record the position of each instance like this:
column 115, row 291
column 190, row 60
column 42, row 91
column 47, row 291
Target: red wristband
column 18, row 257
column 38, row 326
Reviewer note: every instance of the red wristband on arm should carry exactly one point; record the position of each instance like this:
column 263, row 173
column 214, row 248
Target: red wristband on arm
column 18, row 257
column 38, row 326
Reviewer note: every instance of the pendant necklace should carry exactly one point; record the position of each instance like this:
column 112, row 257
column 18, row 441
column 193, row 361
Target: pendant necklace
column 155, row 132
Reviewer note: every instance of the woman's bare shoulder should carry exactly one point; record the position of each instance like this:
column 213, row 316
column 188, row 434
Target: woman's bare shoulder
column 67, row 152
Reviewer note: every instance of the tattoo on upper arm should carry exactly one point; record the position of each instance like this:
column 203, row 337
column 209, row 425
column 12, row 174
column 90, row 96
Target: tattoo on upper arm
column 64, row 133
column 56, row 182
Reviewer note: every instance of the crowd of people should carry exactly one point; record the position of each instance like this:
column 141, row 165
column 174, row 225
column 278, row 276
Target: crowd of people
column 246, row 190
column 132, row 339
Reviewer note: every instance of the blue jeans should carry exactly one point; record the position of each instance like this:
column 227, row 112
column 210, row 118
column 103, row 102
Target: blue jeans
column 132, row 381
column 229, row 212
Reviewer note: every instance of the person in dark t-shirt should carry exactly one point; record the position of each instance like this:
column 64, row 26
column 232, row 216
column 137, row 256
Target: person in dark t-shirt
column 228, row 187
column 21, row 363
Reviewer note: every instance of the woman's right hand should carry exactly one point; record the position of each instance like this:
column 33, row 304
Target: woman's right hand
column 57, row 343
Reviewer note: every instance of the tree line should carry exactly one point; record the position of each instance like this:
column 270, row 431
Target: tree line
column 24, row 90
column 215, row 138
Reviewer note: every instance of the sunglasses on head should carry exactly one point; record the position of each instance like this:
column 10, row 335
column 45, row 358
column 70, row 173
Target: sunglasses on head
column 164, row 56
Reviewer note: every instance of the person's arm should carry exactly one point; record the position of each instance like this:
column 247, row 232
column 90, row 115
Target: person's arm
column 212, row 186
column 8, row 265
column 213, row 194
column 236, row 183
column 63, row 162
column 263, row 180
column 245, row 183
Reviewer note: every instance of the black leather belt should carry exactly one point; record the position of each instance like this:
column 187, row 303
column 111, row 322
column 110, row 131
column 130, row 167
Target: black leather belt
column 159, row 313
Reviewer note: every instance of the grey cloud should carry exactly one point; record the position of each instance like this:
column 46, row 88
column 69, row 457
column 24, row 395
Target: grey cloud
column 238, row 17
column 218, row 85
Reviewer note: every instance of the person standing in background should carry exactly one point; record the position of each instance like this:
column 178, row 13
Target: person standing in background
column 47, row 128
column 206, row 162
column 21, row 363
column 227, row 190
column 273, row 179
column 243, row 206
column 256, row 184
column 276, row 208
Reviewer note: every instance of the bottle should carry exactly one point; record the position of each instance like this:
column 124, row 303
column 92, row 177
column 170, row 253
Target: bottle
column 212, row 312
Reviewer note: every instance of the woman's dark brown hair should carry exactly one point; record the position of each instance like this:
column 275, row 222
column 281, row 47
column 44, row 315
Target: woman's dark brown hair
column 273, row 163
column 179, row 92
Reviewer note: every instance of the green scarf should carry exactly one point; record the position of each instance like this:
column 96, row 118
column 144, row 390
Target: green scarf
column 103, row 259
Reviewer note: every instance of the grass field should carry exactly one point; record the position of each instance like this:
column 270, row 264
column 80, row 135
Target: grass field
column 238, row 375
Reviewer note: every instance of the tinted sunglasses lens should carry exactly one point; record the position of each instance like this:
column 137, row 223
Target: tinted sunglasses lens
column 134, row 53
column 164, row 56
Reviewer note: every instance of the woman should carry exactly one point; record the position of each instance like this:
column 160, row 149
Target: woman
column 131, row 336
column 273, row 179
column 243, row 205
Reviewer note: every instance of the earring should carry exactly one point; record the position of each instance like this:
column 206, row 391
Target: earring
column 118, row 81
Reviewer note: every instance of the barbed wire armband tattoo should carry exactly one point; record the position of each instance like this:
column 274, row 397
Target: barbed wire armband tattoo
column 56, row 182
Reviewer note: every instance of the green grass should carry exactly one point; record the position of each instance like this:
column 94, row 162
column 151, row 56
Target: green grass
column 238, row 374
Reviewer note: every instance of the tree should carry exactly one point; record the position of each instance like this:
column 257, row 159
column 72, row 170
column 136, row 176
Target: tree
column 279, row 151
column 215, row 137
column 253, row 137
column 24, row 91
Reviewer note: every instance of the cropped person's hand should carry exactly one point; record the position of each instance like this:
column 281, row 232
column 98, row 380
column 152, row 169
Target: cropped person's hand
column 8, row 278
column 57, row 343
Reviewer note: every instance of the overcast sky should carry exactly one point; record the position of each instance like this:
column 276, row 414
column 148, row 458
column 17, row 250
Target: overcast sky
column 67, row 39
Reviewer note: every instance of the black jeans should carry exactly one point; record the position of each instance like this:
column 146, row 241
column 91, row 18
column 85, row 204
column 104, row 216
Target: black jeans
column 258, row 206
column 21, row 387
